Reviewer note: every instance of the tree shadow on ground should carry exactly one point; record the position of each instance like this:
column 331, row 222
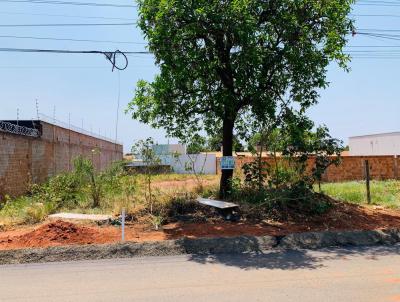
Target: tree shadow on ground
column 289, row 260
column 295, row 259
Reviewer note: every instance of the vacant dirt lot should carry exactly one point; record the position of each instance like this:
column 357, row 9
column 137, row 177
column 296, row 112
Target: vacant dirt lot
column 60, row 233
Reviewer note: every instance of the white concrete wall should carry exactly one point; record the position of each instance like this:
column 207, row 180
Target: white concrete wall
column 379, row 144
column 162, row 150
column 184, row 164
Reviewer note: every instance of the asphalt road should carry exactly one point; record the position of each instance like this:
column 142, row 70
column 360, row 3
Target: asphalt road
column 356, row 274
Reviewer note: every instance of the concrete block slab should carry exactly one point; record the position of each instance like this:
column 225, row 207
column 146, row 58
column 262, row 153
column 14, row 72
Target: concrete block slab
column 84, row 217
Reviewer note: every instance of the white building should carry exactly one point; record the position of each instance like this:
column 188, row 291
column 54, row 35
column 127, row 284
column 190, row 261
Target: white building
column 175, row 155
column 202, row 163
column 375, row 144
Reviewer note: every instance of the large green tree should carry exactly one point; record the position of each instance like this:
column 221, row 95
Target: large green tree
column 226, row 65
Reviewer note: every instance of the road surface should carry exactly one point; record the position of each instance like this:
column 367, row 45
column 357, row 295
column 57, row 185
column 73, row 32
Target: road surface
column 350, row 274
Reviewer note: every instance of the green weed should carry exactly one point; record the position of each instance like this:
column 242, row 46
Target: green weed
column 384, row 193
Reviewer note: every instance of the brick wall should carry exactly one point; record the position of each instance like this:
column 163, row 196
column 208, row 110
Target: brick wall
column 25, row 160
column 351, row 168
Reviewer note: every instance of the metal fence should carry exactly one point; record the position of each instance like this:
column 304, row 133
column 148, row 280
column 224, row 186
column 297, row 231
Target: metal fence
column 19, row 130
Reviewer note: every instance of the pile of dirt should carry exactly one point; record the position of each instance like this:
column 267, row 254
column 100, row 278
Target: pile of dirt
column 57, row 232
column 53, row 234
column 63, row 233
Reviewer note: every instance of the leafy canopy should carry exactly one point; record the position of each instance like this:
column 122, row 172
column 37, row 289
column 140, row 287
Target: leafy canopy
column 236, row 60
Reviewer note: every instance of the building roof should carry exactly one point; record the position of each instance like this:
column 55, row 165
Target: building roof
column 377, row 134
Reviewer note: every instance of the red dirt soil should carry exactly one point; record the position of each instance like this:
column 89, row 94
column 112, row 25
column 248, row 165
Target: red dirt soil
column 61, row 233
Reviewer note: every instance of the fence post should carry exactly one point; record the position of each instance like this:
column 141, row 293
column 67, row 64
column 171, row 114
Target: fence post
column 368, row 178
column 396, row 167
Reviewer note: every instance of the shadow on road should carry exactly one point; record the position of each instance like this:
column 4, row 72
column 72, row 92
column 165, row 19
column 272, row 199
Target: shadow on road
column 295, row 259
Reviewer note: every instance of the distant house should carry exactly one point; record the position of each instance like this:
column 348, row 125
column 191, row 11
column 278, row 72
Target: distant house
column 375, row 144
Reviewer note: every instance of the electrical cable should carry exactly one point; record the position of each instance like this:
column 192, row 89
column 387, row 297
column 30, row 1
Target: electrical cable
column 66, row 16
column 69, row 39
column 111, row 56
column 66, row 51
column 67, row 24
column 55, row 2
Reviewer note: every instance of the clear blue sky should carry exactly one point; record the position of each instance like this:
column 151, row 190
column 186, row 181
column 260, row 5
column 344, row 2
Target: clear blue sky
column 366, row 100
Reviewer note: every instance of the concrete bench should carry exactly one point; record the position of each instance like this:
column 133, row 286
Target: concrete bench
column 226, row 209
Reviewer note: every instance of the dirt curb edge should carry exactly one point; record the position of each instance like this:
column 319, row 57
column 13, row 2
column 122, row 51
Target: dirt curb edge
column 243, row 244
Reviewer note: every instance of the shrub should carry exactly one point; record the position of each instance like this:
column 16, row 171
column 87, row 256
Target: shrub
column 144, row 150
column 38, row 212
column 86, row 173
column 62, row 190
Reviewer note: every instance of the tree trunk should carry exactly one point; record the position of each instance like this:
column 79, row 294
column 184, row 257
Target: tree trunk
column 227, row 145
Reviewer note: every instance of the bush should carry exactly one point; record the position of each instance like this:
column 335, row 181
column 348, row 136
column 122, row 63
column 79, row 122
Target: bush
column 63, row 190
column 38, row 212
column 86, row 173
column 72, row 191
column 278, row 203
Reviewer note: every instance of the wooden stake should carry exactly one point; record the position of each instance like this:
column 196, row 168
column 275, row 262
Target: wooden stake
column 368, row 179
column 123, row 225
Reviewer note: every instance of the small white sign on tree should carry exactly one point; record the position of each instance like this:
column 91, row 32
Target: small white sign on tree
column 227, row 163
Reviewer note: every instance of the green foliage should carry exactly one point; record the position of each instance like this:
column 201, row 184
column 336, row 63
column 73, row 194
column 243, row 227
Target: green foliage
column 115, row 181
column 72, row 191
column 214, row 143
column 144, row 150
column 284, row 178
column 62, row 190
column 255, row 173
column 198, row 143
column 227, row 65
column 195, row 144
column 13, row 209
column 292, row 148
column 384, row 193
column 86, row 173
column 156, row 221
column 217, row 58
column 278, row 203
column 301, row 143
column 37, row 212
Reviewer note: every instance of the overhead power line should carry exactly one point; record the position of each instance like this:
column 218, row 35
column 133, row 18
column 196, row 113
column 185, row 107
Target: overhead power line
column 64, row 51
column 377, row 30
column 67, row 24
column 373, row 51
column 51, row 67
column 377, row 16
column 375, row 57
column 373, row 46
column 377, row 3
column 70, row 39
column 66, row 16
column 111, row 56
column 381, row 36
column 55, row 2
column 382, row 5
